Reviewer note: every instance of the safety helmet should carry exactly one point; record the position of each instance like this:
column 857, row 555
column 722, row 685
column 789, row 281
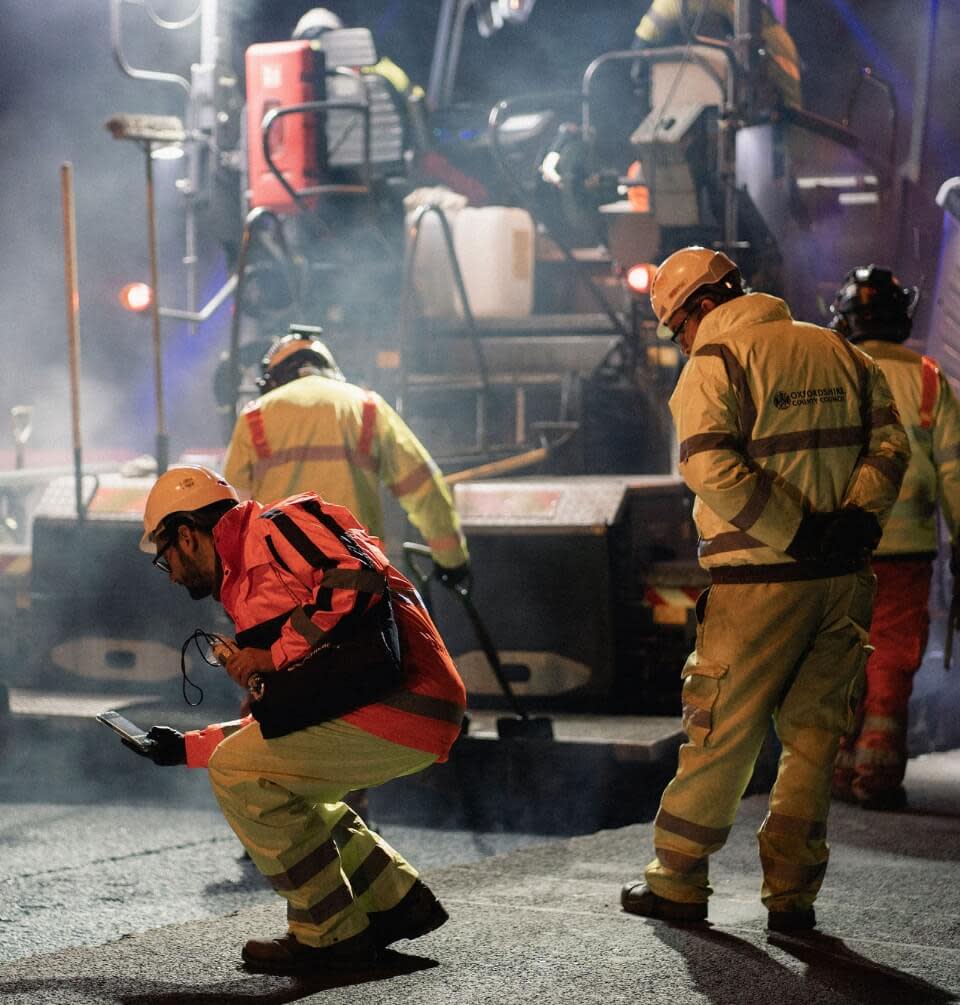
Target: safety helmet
column 315, row 22
column 686, row 271
column 871, row 303
column 181, row 490
column 295, row 355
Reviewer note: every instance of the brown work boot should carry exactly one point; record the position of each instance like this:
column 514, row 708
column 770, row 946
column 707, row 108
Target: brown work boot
column 791, row 922
column 287, row 955
column 417, row 914
column 638, row 898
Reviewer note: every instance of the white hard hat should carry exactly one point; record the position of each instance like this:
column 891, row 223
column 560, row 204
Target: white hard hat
column 316, row 21
column 682, row 274
column 181, row 489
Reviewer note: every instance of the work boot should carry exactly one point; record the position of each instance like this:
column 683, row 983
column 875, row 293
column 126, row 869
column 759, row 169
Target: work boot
column 888, row 800
column 417, row 914
column 287, row 955
column 638, row 898
column 790, row 922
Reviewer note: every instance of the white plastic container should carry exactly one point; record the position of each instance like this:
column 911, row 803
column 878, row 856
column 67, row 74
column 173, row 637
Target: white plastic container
column 495, row 248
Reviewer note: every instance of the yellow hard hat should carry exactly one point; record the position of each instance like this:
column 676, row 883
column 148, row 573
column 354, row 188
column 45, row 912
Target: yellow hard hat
column 178, row 490
column 682, row 274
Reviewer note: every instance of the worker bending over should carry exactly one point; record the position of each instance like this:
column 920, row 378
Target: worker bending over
column 792, row 444
column 311, row 431
column 350, row 686
column 875, row 312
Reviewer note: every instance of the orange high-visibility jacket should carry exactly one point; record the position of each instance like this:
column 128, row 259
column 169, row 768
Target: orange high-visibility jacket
column 324, row 435
column 775, row 417
column 291, row 574
column 931, row 416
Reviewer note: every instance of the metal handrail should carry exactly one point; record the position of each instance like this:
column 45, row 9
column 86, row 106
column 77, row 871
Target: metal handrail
column 867, row 76
column 198, row 317
column 275, row 114
column 137, row 73
column 406, row 298
column 253, row 220
column 497, row 114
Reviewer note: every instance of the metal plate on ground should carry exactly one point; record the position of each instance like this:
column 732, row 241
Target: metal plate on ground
column 24, row 701
column 639, row 738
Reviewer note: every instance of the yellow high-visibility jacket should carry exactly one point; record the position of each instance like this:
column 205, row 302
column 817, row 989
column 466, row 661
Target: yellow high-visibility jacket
column 316, row 434
column 931, row 416
column 663, row 18
column 775, row 417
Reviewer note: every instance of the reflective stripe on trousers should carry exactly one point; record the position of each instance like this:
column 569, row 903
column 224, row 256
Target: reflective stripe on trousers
column 793, row 652
column 283, row 799
column 873, row 755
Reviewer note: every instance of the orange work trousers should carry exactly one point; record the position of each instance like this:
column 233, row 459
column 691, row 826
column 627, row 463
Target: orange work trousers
column 873, row 757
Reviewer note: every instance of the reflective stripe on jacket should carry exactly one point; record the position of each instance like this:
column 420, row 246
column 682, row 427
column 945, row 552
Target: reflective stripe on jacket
column 663, row 19
column 773, row 417
column 931, row 416
column 324, row 435
column 307, row 569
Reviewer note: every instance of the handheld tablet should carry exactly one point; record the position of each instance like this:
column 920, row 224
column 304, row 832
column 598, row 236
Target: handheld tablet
column 130, row 731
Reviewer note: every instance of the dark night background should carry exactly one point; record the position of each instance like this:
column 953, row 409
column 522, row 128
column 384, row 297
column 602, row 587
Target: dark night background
column 59, row 83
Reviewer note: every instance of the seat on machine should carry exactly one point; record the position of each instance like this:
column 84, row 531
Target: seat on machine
column 322, row 149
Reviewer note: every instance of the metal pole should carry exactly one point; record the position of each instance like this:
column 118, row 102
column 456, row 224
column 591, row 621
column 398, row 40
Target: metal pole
column 163, row 444
column 73, row 324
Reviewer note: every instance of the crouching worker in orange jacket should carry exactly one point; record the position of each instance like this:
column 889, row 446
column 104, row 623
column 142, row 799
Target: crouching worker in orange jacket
column 350, row 686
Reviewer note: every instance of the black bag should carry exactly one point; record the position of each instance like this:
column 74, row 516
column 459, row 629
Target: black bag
column 337, row 678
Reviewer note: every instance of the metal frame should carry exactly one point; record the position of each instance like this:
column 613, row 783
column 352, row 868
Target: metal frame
column 406, row 313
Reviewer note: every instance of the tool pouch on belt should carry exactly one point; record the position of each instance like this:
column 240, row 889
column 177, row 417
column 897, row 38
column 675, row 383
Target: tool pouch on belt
column 339, row 677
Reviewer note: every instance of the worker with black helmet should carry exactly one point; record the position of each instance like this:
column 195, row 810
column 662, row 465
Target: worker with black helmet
column 349, row 685
column 791, row 442
column 874, row 311
column 311, row 430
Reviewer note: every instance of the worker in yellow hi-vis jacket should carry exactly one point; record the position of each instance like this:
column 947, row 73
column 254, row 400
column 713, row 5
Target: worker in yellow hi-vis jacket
column 875, row 312
column 311, row 431
column 664, row 20
column 790, row 440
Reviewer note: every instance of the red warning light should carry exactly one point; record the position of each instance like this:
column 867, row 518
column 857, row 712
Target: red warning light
column 639, row 278
column 136, row 297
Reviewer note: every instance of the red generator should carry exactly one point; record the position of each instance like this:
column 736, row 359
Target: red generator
column 281, row 74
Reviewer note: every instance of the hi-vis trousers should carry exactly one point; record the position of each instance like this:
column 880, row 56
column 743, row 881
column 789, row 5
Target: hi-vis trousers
column 793, row 652
column 873, row 756
column 283, row 799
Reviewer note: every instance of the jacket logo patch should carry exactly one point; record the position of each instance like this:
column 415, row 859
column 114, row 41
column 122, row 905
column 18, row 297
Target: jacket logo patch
column 809, row 396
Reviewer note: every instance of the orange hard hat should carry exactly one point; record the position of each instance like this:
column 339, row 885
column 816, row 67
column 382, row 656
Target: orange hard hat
column 682, row 274
column 181, row 490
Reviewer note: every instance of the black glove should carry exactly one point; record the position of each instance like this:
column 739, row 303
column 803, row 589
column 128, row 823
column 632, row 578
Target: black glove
column 451, row 577
column 640, row 69
column 845, row 534
column 853, row 532
column 168, row 746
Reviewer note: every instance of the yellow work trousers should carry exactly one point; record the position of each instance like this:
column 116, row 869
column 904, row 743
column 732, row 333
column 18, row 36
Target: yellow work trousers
column 284, row 800
column 790, row 652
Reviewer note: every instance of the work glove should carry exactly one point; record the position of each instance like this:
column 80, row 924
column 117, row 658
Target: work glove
column 853, row 532
column 640, row 71
column 847, row 533
column 168, row 746
column 458, row 575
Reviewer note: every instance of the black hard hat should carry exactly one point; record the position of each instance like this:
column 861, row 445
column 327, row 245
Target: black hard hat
column 871, row 304
column 295, row 355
